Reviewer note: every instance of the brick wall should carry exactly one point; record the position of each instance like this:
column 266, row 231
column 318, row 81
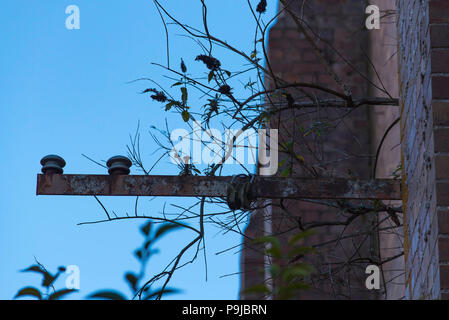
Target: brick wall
column 411, row 56
column 423, row 28
column 344, row 149
column 439, row 43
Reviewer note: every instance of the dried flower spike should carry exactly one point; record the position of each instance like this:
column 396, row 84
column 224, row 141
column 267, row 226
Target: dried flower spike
column 225, row 89
column 262, row 6
column 158, row 95
column 183, row 66
column 210, row 62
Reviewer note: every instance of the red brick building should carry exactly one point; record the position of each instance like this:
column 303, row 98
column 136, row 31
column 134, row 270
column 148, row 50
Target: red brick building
column 406, row 58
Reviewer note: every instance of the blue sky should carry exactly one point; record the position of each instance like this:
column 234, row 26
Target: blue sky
column 66, row 92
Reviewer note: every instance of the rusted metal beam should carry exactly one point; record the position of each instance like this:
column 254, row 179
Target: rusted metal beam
column 193, row 186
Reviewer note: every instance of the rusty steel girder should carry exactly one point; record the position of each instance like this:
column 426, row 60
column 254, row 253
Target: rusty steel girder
column 207, row 186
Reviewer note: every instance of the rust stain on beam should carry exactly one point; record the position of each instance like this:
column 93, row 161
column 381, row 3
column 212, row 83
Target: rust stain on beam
column 195, row 186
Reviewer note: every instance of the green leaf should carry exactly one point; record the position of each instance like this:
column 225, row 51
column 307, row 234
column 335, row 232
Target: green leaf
column 275, row 270
column 169, row 105
column 258, row 288
column 157, row 292
column 146, row 228
column 29, row 291
column 286, row 172
column 184, row 95
column 298, row 286
column 59, row 294
column 34, row 268
column 274, row 251
column 132, row 280
column 166, row 227
column 227, row 72
column 108, row 295
column 176, row 84
column 275, row 248
column 210, row 76
column 47, row 280
column 253, row 54
column 289, row 291
column 297, row 270
column 268, row 239
column 300, row 158
column 138, row 254
column 185, row 115
column 300, row 236
column 300, row 250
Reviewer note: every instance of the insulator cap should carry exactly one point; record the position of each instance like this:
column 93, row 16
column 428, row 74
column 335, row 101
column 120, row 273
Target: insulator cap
column 52, row 164
column 118, row 165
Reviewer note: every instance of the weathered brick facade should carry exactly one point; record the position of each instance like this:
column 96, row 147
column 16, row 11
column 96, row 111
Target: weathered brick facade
column 410, row 54
column 423, row 28
column 342, row 152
